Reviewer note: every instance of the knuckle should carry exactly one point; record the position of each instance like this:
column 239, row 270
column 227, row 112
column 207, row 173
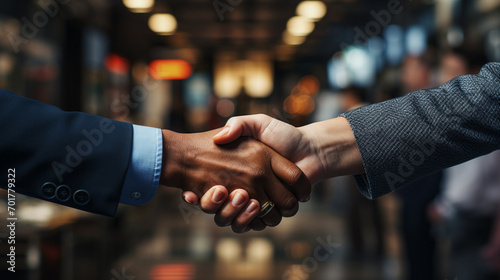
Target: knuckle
column 262, row 117
column 258, row 173
column 258, row 148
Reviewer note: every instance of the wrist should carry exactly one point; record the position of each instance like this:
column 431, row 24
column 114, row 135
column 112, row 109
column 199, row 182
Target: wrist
column 334, row 145
column 310, row 162
column 172, row 172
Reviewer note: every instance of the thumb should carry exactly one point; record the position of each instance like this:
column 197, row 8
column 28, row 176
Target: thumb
column 237, row 127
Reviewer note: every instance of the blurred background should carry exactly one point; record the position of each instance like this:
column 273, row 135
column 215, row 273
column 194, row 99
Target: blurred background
column 189, row 65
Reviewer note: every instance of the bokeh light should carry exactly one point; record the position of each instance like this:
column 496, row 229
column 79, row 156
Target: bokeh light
column 228, row 250
column 163, row 24
column 170, row 69
column 139, row 6
column 225, row 108
column 172, row 272
column 416, row 40
column 313, row 10
column 299, row 26
column 290, row 39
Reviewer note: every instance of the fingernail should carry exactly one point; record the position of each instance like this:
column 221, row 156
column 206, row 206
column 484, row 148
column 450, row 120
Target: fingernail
column 223, row 132
column 238, row 199
column 217, row 196
column 306, row 199
column 251, row 208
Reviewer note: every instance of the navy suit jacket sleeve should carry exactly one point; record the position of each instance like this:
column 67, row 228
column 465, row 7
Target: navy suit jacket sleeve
column 70, row 158
column 404, row 139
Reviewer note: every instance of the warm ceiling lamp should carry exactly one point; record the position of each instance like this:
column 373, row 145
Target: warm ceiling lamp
column 163, row 24
column 313, row 10
column 293, row 40
column 139, row 6
column 170, row 69
column 258, row 79
column 299, row 26
column 227, row 79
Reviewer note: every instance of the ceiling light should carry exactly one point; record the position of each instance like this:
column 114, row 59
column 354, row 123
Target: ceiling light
column 313, row 10
column 139, row 6
column 163, row 24
column 258, row 80
column 227, row 80
column 290, row 39
column 299, row 26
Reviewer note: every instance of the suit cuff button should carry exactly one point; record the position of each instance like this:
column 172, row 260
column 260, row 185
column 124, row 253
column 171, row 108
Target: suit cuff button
column 49, row 190
column 81, row 197
column 136, row 195
column 63, row 193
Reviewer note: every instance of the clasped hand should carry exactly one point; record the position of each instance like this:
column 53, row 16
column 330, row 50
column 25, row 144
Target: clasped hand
column 245, row 173
column 250, row 171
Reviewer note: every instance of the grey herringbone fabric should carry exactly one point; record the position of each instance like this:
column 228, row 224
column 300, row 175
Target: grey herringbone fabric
column 404, row 139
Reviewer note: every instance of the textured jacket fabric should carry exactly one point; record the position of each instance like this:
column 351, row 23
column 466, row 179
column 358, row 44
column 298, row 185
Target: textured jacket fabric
column 404, row 139
column 69, row 158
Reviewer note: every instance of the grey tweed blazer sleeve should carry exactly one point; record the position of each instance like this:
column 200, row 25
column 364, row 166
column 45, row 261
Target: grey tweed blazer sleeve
column 404, row 139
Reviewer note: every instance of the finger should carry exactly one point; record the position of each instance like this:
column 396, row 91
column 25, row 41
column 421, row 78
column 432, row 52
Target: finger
column 292, row 176
column 260, row 194
column 190, row 197
column 238, row 199
column 213, row 199
column 283, row 199
column 257, row 224
column 273, row 218
column 242, row 220
column 236, row 127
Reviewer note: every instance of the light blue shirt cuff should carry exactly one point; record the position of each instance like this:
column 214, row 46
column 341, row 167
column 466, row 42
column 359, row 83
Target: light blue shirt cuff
column 143, row 174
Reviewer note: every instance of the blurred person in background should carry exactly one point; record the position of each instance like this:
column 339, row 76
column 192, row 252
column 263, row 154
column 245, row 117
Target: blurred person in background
column 363, row 215
column 388, row 85
column 419, row 243
column 469, row 202
column 416, row 71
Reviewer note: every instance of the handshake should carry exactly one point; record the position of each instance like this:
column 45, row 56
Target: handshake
column 256, row 169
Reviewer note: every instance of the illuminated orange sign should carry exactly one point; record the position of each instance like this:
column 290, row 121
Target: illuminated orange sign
column 170, row 69
column 172, row 272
